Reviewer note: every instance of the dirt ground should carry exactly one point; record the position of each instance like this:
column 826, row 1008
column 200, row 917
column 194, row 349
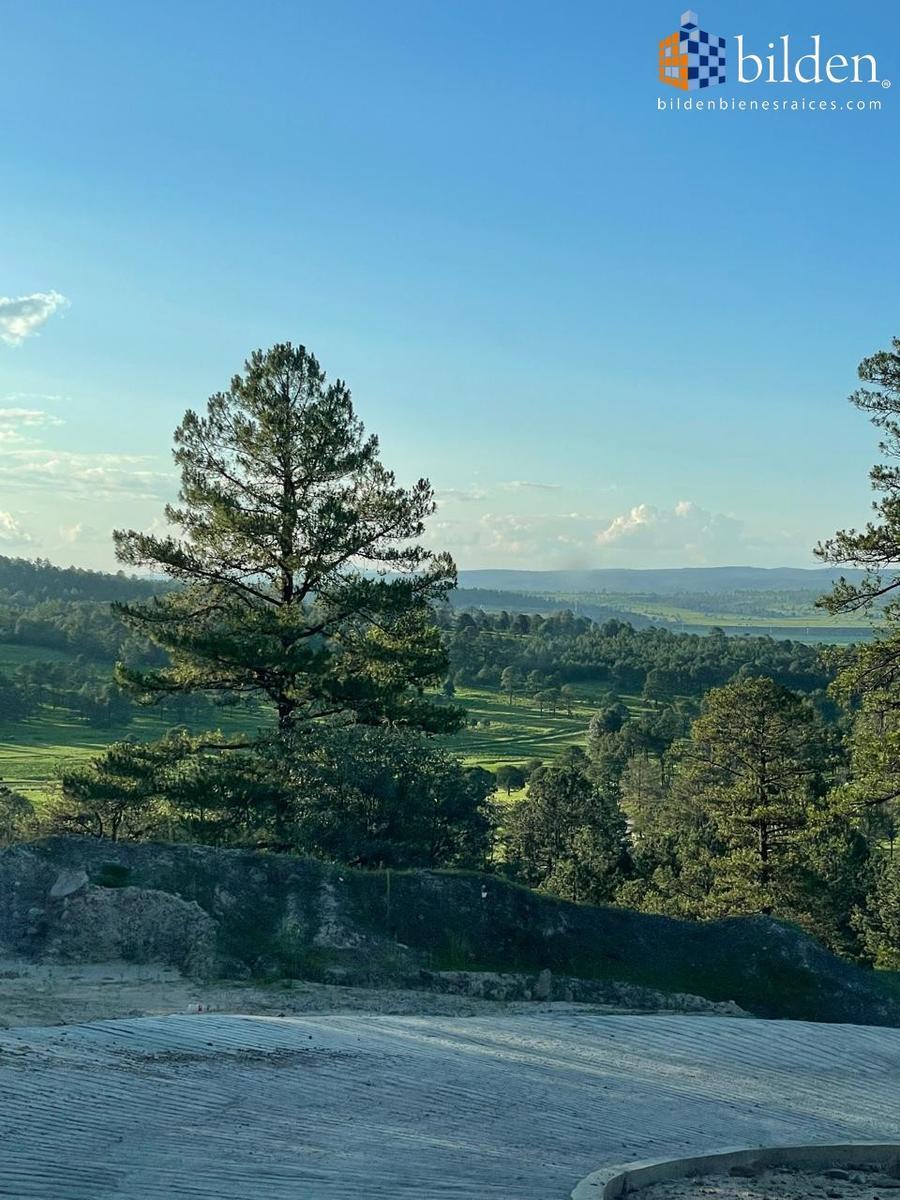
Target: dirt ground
column 66, row 994
column 784, row 1183
column 502, row 1104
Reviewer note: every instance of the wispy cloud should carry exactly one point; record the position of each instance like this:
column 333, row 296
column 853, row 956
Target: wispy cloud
column 32, row 398
column 27, row 416
column 93, row 476
column 29, row 464
column 460, row 495
column 526, row 485
column 22, row 316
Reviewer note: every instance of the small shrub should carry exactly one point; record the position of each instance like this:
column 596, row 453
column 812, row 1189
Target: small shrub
column 112, row 875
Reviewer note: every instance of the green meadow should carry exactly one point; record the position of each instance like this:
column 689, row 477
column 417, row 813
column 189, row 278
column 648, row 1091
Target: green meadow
column 33, row 752
column 500, row 733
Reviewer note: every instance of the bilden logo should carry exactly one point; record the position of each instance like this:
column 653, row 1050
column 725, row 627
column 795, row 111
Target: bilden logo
column 691, row 58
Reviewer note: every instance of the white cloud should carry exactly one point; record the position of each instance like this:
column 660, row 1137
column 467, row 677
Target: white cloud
column 511, row 540
column 78, row 532
column 459, row 495
column 32, row 397
column 507, row 534
column 27, row 416
column 27, row 463
column 687, row 530
column 22, row 316
column 11, row 532
column 644, row 535
column 13, row 421
column 627, row 524
column 93, row 476
column 525, row 485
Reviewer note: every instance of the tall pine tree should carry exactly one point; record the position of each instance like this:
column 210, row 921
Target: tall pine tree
column 301, row 576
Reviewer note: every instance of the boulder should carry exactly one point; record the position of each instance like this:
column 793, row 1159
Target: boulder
column 68, row 883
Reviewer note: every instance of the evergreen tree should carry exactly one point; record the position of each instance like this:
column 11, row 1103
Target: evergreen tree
column 567, row 836
column 878, row 919
column 877, row 547
column 510, row 683
column 510, row 777
column 18, row 819
column 300, row 576
column 745, row 816
column 874, row 668
column 755, row 764
column 121, row 794
column 377, row 797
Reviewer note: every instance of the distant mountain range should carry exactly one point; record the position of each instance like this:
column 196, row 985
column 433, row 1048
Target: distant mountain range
column 666, row 582
column 36, row 580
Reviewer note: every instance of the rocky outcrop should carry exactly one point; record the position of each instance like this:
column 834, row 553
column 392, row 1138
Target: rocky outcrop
column 139, row 925
column 60, row 915
column 244, row 913
column 545, row 986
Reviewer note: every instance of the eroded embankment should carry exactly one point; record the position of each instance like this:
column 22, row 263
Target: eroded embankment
column 215, row 912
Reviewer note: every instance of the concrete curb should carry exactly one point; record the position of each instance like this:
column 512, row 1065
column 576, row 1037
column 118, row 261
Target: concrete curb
column 611, row 1182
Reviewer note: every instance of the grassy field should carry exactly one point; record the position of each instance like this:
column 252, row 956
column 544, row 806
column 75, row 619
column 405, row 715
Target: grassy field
column 519, row 732
column 789, row 615
column 799, row 623
column 34, row 751
column 19, row 656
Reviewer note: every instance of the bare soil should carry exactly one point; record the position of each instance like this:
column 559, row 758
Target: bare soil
column 66, row 994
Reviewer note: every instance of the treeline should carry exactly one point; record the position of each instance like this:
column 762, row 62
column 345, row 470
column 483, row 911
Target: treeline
column 527, row 654
column 69, row 609
column 565, row 649
column 772, row 605
column 24, row 582
column 490, row 599
column 88, row 628
column 86, row 691
column 89, row 638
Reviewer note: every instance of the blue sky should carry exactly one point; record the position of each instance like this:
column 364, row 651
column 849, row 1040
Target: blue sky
column 611, row 336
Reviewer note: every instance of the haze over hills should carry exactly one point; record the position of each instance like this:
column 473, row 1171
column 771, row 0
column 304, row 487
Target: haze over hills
column 41, row 579
column 663, row 581
column 775, row 601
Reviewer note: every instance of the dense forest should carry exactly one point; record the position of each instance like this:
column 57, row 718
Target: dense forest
column 66, row 608
column 566, row 649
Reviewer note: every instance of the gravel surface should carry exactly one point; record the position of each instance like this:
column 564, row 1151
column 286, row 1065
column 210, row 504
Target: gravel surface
column 783, row 1183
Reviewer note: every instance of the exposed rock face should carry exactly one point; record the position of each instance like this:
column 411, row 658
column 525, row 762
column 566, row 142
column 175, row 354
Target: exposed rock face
column 543, row 986
column 139, row 925
column 237, row 913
